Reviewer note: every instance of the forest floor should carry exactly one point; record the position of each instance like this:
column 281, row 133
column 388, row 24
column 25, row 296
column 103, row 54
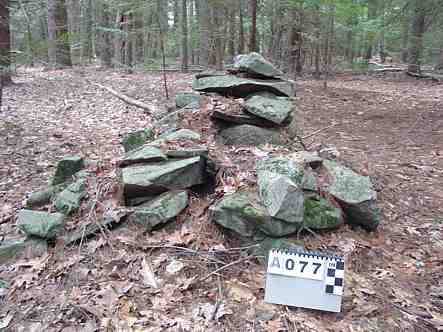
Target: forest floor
column 387, row 127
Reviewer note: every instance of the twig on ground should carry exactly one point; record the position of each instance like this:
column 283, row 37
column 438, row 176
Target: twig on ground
column 227, row 266
column 129, row 100
column 318, row 131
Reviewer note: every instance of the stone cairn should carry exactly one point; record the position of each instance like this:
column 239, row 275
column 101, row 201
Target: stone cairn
column 293, row 191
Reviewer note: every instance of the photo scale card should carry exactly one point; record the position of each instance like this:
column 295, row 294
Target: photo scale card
column 305, row 279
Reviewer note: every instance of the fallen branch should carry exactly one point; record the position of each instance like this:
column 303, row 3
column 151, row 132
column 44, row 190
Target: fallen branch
column 129, row 100
column 226, row 266
column 425, row 76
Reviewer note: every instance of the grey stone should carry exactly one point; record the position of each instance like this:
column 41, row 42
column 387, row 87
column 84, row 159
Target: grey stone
column 66, row 168
column 181, row 135
column 242, row 87
column 40, row 224
column 243, row 118
column 136, row 139
column 255, row 64
column 11, row 250
column 355, row 194
column 268, row 243
column 188, row 152
column 143, row 154
column 307, row 158
column 29, row 248
column 160, row 210
column 275, row 109
column 243, row 213
column 39, row 198
column 157, row 178
column 68, row 201
column 190, row 100
column 248, row 135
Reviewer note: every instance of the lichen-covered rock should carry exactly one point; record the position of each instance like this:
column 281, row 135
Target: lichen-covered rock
column 354, row 193
column 320, row 214
column 136, row 139
column 180, row 135
column 248, row 135
column 230, row 85
column 40, row 224
column 155, row 178
column 243, row 213
column 10, row 250
column 160, row 210
column 255, row 64
column 311, row 159
column 275, row 109
column 66, row 168
column 279, row 186
column 190, row 100
column 68, row 201
column 143, row 154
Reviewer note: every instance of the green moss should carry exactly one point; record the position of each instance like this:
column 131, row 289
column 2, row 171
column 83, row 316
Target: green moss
column 136, row 139
column 321, row 214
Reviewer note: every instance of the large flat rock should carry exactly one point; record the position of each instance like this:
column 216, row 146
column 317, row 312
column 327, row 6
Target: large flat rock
column 275, row 109
column 66, row 168
column 40, row 224
column 218, row 115
column 156, row 178
column 231, row 85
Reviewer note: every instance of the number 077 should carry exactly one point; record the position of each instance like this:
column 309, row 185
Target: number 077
column 304, row 264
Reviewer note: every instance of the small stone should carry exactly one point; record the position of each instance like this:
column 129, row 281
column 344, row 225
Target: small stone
column 39, row 198
column 136, row 139
column 278, row 110
column 40, row 224
column 190, row 100
column 255, row 64
column 160, row 210
column 11, row 250
column 143, row 154
column 66, row 169
column 68, row 201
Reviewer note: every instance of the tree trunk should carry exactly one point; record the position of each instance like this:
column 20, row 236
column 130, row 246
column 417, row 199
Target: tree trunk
column 184, row 35
column 5, row 44
column 253, row 37
column 60, row 49
column 87, row 32
column 439, row 66
column 218, row 52
column 372, row 14
column 232, row 32
column 405, row 41
column 241, row 30
column 317, row 44
column 105, row 40
column 205, row 22
column 416, row 38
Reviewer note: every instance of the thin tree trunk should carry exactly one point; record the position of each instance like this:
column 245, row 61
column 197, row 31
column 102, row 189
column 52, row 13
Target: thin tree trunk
column 5, row 46
column 184, row 35
column 372, row 14
column 105, row 42
column 205, row 22
column 439, row 66
column 87, row 32
column 253, row 36
column 405, row 41
column 60, row 49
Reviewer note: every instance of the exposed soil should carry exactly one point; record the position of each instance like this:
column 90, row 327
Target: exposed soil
column 389, row 127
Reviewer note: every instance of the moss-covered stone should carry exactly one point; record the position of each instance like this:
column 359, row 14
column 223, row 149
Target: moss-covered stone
column 40, row 224
column 243, row 213
column 66, row 169
column 255, row 64
column 11, row 250
column 276, row 109
column 24, row 248
column 320, row 214
column 136, row 139
column 160, row 210
column 143, row 154
column 68, row 201
column 39, row 198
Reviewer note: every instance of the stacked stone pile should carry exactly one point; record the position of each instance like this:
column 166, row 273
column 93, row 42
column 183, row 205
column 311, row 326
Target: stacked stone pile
column 263, row 94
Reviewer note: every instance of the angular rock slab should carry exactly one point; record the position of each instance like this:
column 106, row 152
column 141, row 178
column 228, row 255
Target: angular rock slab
column 255, row 64
column 160, row 210
column 231, row 85
column 66, row 168
column 275, row 109
column 177, row 135
column 40, row 224
column 68, row 201
column 320, row 214
column 248, row 135
column 355, row 193
column 244, row 214
column 144, row 154
column 190, row 100
column 240, row 119
column 282, row 197
column 146, row 180
column 136, row 139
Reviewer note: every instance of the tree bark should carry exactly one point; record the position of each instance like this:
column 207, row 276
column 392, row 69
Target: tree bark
column 439, row 66
column 205, row 22
column 86, row 54
column 418, row 28
column 184, row 35
column 241, row 30
column 253, row 37
column 105, row 37
column 5, row 44
column 372, row 14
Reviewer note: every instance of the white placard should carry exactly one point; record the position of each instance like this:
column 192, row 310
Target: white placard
column 296, row 265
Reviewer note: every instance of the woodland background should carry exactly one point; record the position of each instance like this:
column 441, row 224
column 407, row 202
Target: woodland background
column 300, row 36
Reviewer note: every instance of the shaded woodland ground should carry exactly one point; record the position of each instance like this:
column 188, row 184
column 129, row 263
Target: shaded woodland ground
column 389, row 127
